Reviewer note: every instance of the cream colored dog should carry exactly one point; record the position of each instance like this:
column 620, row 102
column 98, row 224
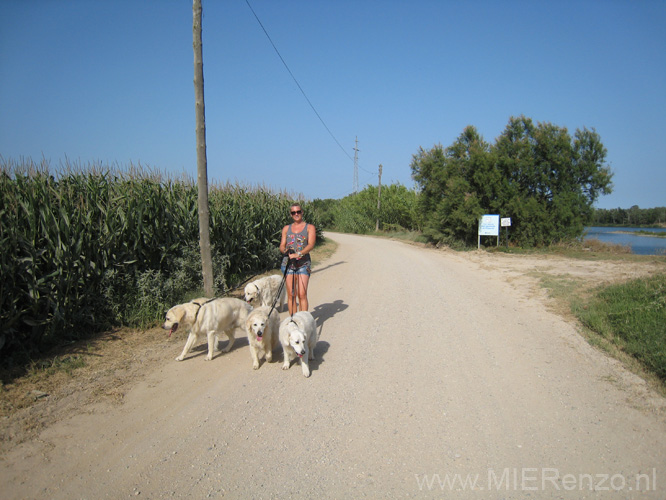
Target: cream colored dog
column 210, row 317
column 262, row 333
column 298, row 336
column 264, row 290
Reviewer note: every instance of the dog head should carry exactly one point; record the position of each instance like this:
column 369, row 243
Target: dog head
column 180, row 316
column 297, row 341
column 252, row 293
column 256, row 324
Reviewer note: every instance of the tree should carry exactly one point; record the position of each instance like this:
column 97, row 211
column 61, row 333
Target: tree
column 535, row 174
column 202, row 166
column 456, row 186
column 553, row 179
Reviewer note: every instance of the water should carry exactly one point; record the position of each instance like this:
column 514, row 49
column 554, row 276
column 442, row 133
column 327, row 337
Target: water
column 640, row 245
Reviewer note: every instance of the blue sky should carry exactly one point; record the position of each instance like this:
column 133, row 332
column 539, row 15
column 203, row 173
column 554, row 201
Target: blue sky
column 110, row 82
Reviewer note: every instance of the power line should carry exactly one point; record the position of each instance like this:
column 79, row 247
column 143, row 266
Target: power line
column 296, row 81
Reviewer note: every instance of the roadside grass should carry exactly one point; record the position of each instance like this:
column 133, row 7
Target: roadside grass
column 592, row 249
column 632, row 317
column 626, row 320
column 324, row 249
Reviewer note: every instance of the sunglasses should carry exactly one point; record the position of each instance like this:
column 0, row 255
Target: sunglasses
column 297, row 212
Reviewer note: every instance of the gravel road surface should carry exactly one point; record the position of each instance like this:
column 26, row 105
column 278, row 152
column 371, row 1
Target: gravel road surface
column 434, row 378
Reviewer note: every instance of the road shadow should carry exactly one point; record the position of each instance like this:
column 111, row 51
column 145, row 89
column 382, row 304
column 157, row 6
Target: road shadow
column 320, row 350
column 328, row 267
column 323, row 312
column 201, row 349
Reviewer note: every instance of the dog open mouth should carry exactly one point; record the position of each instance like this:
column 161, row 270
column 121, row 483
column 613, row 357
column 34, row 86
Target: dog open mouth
column 173, row 329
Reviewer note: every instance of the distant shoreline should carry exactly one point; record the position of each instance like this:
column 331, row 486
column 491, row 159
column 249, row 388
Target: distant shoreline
column 649, row 234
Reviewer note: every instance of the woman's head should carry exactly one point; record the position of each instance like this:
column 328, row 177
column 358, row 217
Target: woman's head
column 296, row 211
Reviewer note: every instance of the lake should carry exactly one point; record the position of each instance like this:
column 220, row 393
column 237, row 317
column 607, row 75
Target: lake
column 640, row 245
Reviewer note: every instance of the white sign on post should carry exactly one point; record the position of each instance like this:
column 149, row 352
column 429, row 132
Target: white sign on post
column 489, row 225
column 506, row 222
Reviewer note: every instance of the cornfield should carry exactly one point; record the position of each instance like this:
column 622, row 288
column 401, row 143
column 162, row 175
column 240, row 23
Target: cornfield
column 82, row 250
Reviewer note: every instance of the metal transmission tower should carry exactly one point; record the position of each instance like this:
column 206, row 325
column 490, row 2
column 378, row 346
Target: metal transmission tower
column 356, row 165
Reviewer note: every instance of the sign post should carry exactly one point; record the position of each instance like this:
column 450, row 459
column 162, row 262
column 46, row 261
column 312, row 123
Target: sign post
column 489, row 225
column 506, row 222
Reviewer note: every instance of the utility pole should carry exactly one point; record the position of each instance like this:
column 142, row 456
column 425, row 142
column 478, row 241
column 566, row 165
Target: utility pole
column 379, row 196
column 202, row 166
column 356, row 165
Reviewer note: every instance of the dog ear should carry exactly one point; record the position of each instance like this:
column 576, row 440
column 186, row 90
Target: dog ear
column 180, row 314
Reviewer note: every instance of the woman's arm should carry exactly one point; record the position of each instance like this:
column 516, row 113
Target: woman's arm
column 283, row 241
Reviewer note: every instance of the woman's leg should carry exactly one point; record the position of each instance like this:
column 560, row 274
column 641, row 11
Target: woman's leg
column 291, row 296
column 303, row 280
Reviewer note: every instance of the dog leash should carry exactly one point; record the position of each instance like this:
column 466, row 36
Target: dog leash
column 201, row 305
column 282, row 284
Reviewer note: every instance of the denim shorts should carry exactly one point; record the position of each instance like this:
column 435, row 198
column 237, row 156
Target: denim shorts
column 303, row 270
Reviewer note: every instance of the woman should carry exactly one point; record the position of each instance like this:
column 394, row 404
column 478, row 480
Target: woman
column 298, row 239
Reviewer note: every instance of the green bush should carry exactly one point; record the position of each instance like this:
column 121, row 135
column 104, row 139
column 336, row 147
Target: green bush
column 358, row 213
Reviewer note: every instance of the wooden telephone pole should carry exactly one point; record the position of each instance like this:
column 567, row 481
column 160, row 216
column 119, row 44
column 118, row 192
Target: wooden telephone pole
column 356, row 165
column 202, row 165
column 379, row 196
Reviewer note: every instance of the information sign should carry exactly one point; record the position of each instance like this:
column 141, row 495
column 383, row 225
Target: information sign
column 489, row 225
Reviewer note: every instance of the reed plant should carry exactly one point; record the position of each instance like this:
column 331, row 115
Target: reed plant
column 83, row 248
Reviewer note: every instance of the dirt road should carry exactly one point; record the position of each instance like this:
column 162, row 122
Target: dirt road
column 435, row 378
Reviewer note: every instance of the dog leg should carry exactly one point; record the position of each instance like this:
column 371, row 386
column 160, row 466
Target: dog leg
column 191, row 339
column 305, row 366
column 268, row 352
column 287, row 358
column 212, row 341
column 255, row 357
column 231, row 336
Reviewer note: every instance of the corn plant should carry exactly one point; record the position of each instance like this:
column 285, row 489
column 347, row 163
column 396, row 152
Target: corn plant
column 83, row 249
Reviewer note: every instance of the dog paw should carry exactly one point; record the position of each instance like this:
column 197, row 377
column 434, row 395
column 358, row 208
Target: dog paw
column 255, row 366
column 208, row 358
column 179, row 358
column 306, row 372
column 285, row 367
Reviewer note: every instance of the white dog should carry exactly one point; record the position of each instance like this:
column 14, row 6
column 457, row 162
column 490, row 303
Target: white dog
column 298, row 336
column 264, row 290
column 210, row 317
column 262, row 333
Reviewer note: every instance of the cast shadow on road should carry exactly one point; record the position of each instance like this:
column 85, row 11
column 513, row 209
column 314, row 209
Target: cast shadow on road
column 328, row 267
column 323, row 312
column 320, row 349
column 202, row 348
